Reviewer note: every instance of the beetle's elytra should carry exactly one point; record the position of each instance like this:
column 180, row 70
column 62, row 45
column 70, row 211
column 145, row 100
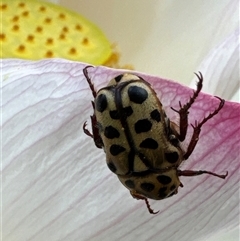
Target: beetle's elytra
column 142, row 145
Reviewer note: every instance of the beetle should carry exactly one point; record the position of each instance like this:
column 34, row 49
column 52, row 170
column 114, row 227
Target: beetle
column 142, row 145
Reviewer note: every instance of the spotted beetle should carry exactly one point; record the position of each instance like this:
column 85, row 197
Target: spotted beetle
column 142, row 145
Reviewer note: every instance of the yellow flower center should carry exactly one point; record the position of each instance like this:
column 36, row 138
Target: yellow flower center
column 35, row 30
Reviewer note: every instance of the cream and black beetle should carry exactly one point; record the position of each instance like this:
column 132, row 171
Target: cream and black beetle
column 142, row 145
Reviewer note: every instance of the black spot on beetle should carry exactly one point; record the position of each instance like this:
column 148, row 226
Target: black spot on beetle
column 101, row 103
column 155, row 115
column 143, row 126
column 116, row 149
column 114, row 114
column 148, row 187
column 173, row 187
column 118, row 78
column 111, row 132
column 127, row 111
column 149, row 143
column 137, row 94
column 172, row 157
column 112, row 167
column 130, row 184
column 163, row 179
column 162, row 192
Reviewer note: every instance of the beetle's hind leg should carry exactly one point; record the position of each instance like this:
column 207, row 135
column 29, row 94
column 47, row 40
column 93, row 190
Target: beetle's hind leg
column 190, row 173
column 140, row 197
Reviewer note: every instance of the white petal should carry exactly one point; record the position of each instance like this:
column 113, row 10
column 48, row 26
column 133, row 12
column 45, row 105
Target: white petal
column 56, row 185
column 220, row 69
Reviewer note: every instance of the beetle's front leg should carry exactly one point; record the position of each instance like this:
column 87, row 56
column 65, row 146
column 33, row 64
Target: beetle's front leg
column 85, row 72
column 86, row 131
column 94, row 122
column 140, row 197
column 183, row 112
column 95, row 131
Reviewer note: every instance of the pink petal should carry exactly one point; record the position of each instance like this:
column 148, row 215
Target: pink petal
column 56, row 185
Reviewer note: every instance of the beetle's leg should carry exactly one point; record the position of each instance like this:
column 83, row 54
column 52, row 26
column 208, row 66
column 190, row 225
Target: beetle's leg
column 85, row 72
column 190, row 173
column 183, row 111
column 95, row 131
column 140, row 197
column 86, row 131
column 197, row 129
column 97, row 138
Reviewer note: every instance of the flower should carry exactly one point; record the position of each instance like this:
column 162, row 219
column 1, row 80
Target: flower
column 56, row 185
